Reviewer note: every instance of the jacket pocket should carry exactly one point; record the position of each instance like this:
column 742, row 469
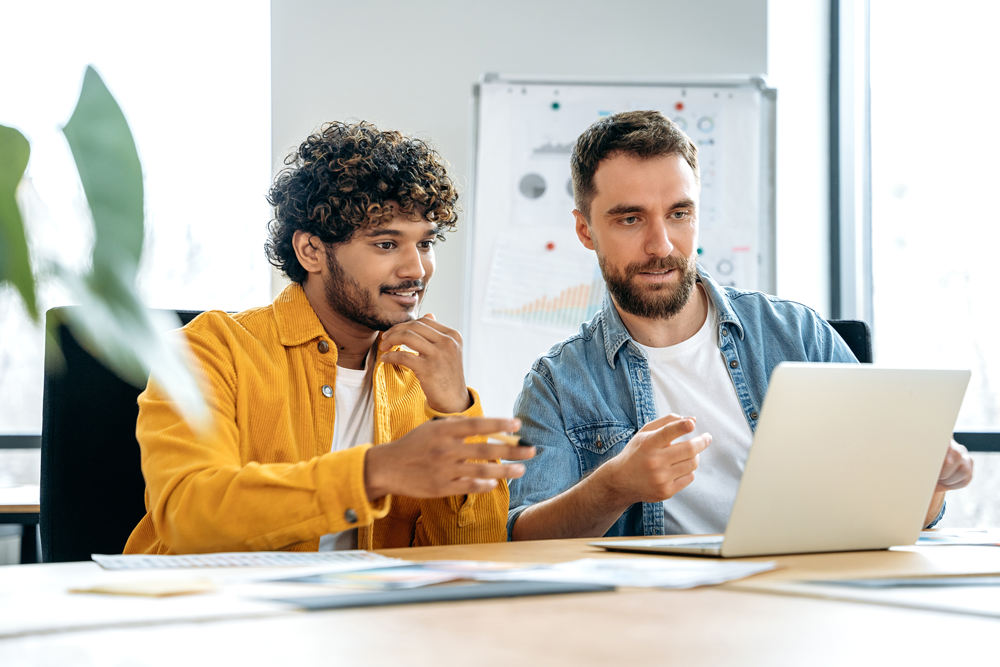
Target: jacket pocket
column 600, row 437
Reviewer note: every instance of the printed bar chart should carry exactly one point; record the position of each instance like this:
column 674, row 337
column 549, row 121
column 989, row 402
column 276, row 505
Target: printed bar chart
column 542, row 286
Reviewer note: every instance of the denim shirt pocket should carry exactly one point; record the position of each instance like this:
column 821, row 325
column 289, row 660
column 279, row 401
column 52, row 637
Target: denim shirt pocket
column 597, row 442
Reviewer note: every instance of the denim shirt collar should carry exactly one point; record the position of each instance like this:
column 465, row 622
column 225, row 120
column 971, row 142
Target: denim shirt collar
column 616, row 335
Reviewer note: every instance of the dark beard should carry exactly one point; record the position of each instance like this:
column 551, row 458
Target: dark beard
column 654, row 302
column 351, row 301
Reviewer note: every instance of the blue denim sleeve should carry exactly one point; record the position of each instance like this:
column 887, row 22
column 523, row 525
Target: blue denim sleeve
column 556, row 465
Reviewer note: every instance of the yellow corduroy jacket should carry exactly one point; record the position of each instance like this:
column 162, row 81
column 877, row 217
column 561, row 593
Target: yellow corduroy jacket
column 266, row 479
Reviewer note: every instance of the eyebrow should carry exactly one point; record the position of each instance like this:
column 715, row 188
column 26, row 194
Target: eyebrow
column 622, row 209
column 378, row 231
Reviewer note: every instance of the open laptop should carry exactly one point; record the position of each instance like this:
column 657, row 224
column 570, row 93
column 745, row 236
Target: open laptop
column 845, row 458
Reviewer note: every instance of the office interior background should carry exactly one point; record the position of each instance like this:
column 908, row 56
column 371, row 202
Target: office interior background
column 886, row 153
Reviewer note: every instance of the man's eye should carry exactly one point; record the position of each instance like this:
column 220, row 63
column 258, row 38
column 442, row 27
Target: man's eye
column 629, row 220
column 428, row 244
column 385, row 245
column 680, row 215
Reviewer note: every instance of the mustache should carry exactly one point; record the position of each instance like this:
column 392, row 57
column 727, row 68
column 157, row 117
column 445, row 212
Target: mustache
column 659, row 264
column 403, row 286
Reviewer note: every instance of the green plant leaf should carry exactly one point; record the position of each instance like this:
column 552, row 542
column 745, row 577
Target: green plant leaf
column 15, row 266
column 108, row 162
column 111, row 322
column 131, row 340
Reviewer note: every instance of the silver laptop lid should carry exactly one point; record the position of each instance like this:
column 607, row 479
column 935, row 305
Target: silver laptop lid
column 845, row 457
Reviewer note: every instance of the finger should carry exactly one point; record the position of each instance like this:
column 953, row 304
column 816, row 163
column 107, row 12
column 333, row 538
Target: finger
column 958, row 479
column 417, row 337
column 465, row 427
column 489, row 452
column 425, row 326
column 689, row 449
column 663, row 421
column 666, row 435
column 466, row 486
column 414, row 362
column 431, row 322
column 491, row 470
column 683, row 468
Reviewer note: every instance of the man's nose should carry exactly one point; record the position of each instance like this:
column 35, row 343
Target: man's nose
column 412, row 266
column 657, row 241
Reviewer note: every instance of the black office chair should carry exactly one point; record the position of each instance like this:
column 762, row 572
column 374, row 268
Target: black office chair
column 858, row 337
column 92, row 493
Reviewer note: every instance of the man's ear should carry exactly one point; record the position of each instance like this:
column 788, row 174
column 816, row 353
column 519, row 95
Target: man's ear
column 583, row 230
column 310, row 251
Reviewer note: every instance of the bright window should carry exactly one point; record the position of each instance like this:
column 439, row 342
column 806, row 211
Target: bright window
column 193, row 79
column 935, row 170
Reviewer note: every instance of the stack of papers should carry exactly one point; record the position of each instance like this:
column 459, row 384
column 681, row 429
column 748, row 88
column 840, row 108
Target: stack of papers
column 641, row 572
column 961, row 536
column 343, row 560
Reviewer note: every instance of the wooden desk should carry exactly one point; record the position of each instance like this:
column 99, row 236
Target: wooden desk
column 709, row 626
column 20, row 504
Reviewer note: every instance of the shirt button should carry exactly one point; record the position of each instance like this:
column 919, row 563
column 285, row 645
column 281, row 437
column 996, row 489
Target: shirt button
column 323, row 346
column 753, row 415
column 734, row 363
column 350, row 516
column 327, row 390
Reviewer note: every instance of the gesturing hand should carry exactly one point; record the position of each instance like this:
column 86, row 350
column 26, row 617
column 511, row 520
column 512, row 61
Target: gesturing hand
column 651, row 467
column 433, row 460
column 956, row 473
column 437, row 362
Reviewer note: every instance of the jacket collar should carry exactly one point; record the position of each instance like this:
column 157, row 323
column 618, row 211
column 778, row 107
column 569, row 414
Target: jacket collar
column 297, row 321
column 616, row 335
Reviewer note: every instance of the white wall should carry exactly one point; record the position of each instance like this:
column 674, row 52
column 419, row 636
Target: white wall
column 411, row 66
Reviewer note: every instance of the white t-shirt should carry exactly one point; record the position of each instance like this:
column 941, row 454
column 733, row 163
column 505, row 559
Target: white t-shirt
column 353, row 424
column 691, row 379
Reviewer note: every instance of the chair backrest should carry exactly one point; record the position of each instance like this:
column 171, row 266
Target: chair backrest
column 92, row 493
column 858, row 337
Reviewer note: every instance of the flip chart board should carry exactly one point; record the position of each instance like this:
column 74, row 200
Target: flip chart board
column 530, row 281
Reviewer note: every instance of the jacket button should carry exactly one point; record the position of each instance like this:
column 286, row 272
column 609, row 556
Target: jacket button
column 753, row 415
column 350, row 516
column 725, row 332
column 327, row 390
column 734, row 363
column 323, row 346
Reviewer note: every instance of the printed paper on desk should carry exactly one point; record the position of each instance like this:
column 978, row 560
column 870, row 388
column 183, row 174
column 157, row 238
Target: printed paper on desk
column 348, row 560
column 642, row 572
column 960, row 537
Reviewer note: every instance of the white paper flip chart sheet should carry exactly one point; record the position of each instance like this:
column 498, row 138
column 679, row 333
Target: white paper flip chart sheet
column 531, row 281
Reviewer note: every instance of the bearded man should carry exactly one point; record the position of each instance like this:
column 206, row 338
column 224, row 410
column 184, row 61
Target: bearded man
column 623, row 412
column 322, row 435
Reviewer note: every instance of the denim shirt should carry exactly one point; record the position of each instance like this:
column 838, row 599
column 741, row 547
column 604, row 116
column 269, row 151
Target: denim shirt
column 583, row 401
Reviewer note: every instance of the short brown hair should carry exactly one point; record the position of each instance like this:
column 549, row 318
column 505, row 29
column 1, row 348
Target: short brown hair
column 642, row 134
column 339, row 181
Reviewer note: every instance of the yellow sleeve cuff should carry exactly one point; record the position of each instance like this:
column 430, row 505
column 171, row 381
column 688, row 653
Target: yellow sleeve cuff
column 474, row 410
column 342, row 493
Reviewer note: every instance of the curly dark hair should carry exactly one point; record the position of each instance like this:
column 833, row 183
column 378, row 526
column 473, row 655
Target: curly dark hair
column 642, row 134
column 339, row 181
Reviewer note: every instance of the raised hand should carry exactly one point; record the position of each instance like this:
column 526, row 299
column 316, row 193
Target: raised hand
column 652, row 467
column 956, row 473
column 437, row 362
column 433, row 460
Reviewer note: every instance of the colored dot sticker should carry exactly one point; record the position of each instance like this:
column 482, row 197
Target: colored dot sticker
column 550, row 246
column 555, row 106
column 679, row 106
column 700, row 251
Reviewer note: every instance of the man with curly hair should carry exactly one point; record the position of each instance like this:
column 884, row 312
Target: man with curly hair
column 326, row 431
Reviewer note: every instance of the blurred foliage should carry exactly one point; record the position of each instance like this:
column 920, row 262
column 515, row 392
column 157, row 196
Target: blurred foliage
column 110, row 321
column 15, row 266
